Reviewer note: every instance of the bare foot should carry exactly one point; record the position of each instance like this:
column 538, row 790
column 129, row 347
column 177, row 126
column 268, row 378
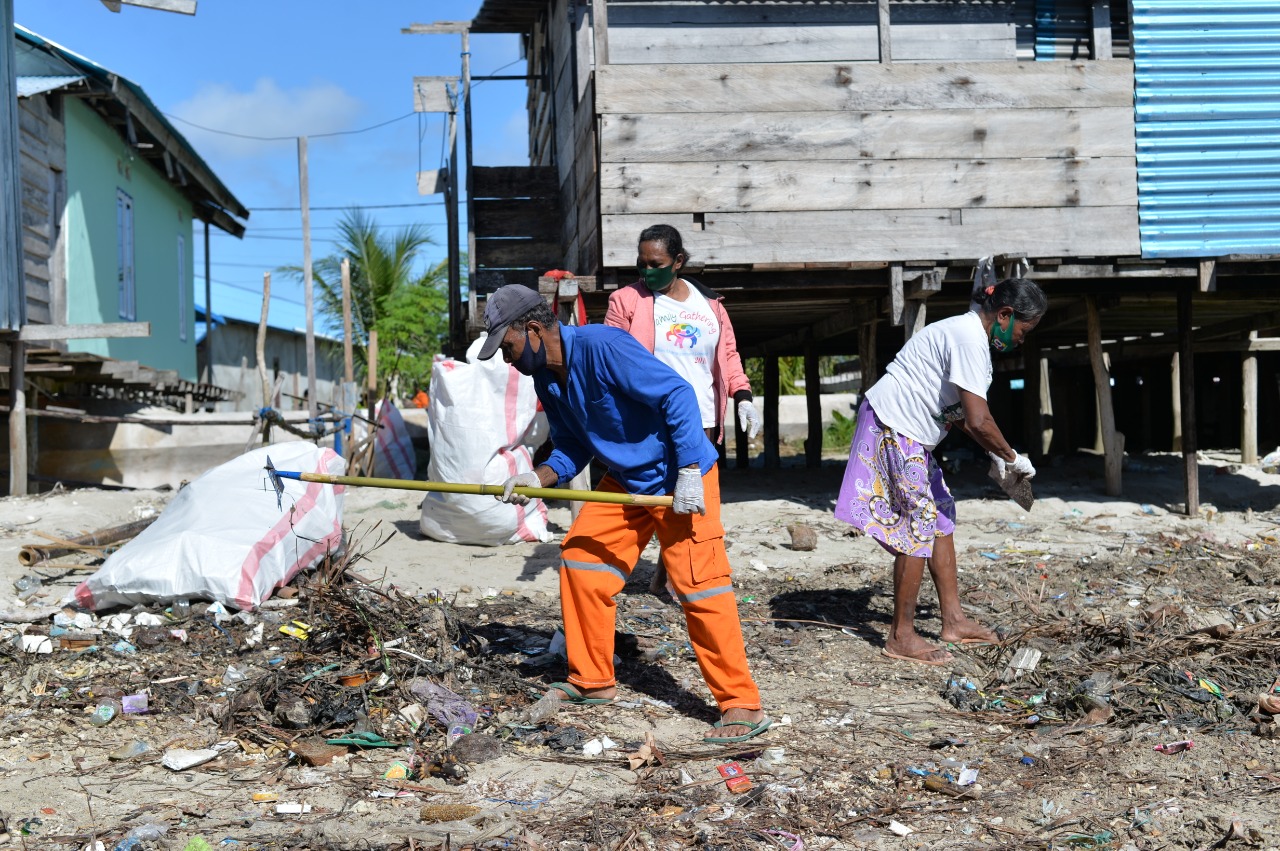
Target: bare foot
column 728, row 729
column 915, row 647
column 658, row 582
column 965, row 630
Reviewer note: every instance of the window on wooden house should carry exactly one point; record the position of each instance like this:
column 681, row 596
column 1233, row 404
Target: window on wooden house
column 183, row 318
column 128, row 300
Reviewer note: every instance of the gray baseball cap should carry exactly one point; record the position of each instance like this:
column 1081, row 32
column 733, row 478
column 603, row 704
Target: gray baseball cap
column 502, row 308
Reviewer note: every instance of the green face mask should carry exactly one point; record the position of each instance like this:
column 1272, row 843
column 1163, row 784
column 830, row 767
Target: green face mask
column 1002, row 338
column 660, row 279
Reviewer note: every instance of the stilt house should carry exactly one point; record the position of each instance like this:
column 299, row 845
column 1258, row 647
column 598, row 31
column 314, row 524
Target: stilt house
column 837, row 166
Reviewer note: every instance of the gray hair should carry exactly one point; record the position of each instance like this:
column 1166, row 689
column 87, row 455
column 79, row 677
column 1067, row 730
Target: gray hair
column 540, row 313
column 1024, row 296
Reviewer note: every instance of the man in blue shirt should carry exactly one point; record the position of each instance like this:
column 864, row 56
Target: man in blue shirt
column 608, row 397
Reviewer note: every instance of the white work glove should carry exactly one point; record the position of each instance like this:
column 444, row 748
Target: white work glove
column 1019, row 466
column 688, row 496
column 749, row 417
column 520, row 480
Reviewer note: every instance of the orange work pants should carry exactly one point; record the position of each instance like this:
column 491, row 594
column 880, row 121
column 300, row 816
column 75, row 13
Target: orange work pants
column 599, row 552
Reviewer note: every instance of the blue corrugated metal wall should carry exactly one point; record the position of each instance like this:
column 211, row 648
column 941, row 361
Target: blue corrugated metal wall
column 1207, row 97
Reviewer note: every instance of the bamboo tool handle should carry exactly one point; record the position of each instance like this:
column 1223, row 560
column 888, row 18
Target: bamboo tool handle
column 483, row 490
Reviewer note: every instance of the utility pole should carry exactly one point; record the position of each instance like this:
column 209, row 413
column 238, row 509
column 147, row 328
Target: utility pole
column 208, row 310
column 13, row 291
column 312, row 408
column 426, row 99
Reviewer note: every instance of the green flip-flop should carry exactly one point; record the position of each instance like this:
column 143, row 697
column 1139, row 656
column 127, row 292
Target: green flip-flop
column 755, row 729
column 362, row 740
column 572, row 695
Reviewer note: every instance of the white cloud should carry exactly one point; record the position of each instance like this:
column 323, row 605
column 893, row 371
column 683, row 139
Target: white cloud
column 264, row 110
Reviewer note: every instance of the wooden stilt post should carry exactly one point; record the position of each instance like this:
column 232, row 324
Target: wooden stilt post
column 1249, row 408
column 813, row 408
column 867, row 356
column 882, row 31
column 772, row 385
column 17, row 418
column 1031, row 400
column 1175, row 376
column 1113, row 443
column 1046, row 408
column 1187, row 390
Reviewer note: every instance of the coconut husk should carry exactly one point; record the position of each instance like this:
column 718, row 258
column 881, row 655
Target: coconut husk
column 1016, row 487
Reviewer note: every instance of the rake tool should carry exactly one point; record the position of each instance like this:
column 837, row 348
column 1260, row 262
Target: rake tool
column 277, row 481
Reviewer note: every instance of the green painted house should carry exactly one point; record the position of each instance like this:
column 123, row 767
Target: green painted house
column 110, row 194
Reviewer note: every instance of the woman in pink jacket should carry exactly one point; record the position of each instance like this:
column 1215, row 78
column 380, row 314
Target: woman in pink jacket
column 686, row 327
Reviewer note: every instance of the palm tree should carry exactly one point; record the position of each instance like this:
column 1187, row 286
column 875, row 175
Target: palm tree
column 408, row 310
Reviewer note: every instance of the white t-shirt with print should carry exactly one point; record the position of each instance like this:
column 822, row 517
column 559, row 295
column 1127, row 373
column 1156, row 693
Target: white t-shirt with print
column 919, row 395
column 685, row 337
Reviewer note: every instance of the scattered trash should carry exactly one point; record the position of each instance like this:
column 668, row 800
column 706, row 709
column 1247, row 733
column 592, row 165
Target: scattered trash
column 1174, row 747
column 735, row 778
column 130, row 751
column 35, row 643
column 293, row 809
column 1023, row 662
column 297, row 629
column 180, row 759
column 134, row 704
column 149, row 832
column 647, row 754
column 803, row 538
column 897, row 828
column 941, row 785
column 454, row 714
column 595, row 747
column 106, row 711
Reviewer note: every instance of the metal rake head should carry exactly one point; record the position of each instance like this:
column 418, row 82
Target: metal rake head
column 276, row 482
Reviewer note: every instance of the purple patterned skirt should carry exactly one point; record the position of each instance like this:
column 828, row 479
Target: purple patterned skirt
column 893, row 489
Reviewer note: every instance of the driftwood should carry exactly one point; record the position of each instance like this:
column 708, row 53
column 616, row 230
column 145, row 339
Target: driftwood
column 35, row 553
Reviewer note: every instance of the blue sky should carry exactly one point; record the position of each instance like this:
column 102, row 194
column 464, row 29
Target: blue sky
column 300, row 67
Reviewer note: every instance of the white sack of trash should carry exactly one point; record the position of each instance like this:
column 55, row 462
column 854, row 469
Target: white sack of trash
column 224, row 538
column 393, row 453
column 483, row 423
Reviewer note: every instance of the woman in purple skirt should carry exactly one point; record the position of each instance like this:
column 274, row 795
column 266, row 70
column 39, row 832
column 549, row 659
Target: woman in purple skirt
column 893, row 489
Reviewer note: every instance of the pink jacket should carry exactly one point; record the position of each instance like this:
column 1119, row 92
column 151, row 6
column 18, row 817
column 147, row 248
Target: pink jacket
column 631, row 309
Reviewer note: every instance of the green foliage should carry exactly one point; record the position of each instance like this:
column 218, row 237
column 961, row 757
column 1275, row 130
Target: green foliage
column 839, row 435
column 790, row 374
column 408, row 310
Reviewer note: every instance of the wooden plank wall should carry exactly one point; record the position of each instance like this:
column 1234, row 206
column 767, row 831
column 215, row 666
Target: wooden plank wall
column 43, row 152
column 665, row 32
column 848, row 162
column 517, row 224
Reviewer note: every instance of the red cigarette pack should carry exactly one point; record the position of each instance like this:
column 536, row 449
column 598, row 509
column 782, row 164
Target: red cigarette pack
column 734, row 777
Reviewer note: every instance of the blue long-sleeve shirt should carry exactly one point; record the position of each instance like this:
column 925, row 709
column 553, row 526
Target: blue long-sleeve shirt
column 624, row 406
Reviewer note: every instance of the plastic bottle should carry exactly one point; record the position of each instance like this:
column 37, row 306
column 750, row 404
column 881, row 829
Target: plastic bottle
column 108, row 709
column 181, row 608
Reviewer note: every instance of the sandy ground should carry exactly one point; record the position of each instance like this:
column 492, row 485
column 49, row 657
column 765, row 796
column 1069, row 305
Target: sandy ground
column 53, row 766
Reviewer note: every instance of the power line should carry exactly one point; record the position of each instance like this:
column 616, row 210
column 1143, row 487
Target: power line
column 288, row 138
column 249, row 289
column 253, row 209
